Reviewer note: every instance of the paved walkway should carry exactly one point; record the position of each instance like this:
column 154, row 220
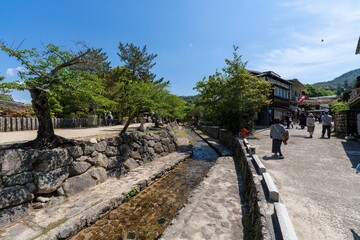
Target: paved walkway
column 70, row 133
column 214, row 212
column 317, row 183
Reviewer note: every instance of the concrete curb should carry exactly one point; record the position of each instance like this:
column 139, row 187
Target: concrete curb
column 219, row 148
column 271, row 188
column 283, row 220
column 286, row 227
column 64, row 219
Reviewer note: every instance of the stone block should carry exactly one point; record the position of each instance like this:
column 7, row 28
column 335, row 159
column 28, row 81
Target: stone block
column 130, row 164
column 49, row 160
column 172, row 147
column 12, row 214
column 15, row 195
column 163, row 134
column 165, row 141
column 101, row 160
column 158, row 148
column 151, row 143
column 78, row 168
column 2, row 124
column 258, row 164
column 125, row 150
column 116, row 141
column 78, row 183
column 18, row 179
column 88, row 148
column 286, row 228
column 116, row 162
column 271, row 187
column 47, row 182
column 15, row 161
column 112, row 151
column 98, row 173
column 75, row 151
column 18, row 124
column 135, row 155
column 13, row 124
column 100, row 146
column 7, row 124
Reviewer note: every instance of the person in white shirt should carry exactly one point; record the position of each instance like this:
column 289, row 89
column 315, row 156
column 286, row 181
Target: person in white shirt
column 326, row 124
column 310, row 123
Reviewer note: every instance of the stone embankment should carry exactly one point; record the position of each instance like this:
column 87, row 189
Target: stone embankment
column 30, row 178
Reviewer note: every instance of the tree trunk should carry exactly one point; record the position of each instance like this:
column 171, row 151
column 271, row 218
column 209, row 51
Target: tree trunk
column 131, row 118
column 156, row 121
column 46, row 137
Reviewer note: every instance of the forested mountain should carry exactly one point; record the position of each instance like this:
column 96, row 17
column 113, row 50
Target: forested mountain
column 347, row 81
column 189, row 99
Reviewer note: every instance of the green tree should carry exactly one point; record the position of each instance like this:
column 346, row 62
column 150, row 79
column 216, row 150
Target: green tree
column 339, row 90
column 4, row 92
column 346, row 85
column 313, row 91
column 46, row 70
column 140, row 84
column 233, row 97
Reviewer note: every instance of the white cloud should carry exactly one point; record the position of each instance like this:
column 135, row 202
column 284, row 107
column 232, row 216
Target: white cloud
column 305, row 56
column 13, row 71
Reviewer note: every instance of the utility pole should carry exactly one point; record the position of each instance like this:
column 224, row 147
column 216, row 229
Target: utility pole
column 357, row 51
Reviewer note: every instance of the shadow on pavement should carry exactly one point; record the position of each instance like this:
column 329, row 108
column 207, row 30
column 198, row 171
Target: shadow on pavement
column 355, row 235
column 272, row 157
column 352, row 150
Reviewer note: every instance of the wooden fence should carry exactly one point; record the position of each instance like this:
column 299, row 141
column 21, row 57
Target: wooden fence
column 10, row 124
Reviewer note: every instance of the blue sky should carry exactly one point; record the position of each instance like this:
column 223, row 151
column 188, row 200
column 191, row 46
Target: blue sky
column 192, row 38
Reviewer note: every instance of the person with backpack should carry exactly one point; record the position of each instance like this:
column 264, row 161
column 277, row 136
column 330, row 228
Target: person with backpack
column 277, row 130
column 109, row 119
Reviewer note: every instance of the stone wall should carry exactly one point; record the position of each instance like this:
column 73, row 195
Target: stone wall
column 211, row 131
column 345, row 123
column 29, row 177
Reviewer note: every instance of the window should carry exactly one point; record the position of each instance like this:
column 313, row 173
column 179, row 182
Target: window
column 281, row 92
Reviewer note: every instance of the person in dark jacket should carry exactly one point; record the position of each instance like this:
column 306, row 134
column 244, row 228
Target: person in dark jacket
column 302, row 120
column 276, row 130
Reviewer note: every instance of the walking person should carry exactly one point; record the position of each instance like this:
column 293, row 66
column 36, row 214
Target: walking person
column 310, row 122
column 109, row 119
column 326, row 124
column 288, row 121
column 276, row 131
column 302, row 120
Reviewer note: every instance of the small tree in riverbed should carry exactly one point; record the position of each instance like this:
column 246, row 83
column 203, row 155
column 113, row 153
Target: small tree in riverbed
column 46, row 70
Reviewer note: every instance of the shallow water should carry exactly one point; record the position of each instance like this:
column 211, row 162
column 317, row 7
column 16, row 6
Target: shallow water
column 147, row 215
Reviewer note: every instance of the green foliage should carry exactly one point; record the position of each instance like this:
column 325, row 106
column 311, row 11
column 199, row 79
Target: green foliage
column 313, row 91
column 189, row 99
column 131, row 194
column 139, row 62
column 339, row 106
column 232, row 98
column 68, row 79
column 4, row 91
